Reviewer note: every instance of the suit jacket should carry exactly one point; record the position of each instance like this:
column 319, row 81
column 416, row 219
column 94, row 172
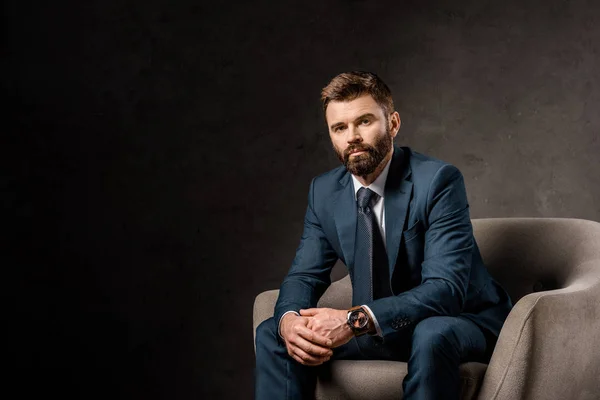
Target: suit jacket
column 435, row 265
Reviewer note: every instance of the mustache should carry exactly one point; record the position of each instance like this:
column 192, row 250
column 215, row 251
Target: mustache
column 357, row 147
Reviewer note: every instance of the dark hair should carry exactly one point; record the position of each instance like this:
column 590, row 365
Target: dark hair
column 350, row 85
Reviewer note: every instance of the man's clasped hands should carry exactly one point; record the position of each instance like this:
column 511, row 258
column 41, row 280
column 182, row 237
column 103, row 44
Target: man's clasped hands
column 310, row 337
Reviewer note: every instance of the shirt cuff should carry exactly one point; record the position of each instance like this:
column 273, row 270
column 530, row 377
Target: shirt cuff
column 377, row 328
column 280, row 319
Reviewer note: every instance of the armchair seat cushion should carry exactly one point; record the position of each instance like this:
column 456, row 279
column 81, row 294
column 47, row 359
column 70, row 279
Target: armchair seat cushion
column 375, row 379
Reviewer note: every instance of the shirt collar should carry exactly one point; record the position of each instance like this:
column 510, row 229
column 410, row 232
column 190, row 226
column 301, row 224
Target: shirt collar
column 378, row 186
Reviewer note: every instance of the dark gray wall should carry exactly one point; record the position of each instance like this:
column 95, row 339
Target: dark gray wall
column 158, row 155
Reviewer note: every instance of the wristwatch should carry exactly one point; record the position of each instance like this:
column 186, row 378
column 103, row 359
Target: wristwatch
column 359, row 321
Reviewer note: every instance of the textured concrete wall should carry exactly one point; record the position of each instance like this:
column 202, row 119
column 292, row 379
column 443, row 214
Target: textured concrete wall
column 161, row 155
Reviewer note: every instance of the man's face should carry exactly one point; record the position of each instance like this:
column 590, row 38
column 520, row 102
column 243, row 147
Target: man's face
column 361, row 133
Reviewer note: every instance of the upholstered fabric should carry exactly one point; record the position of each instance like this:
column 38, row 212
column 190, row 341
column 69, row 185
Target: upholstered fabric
column 382, row 380
column 549, row 347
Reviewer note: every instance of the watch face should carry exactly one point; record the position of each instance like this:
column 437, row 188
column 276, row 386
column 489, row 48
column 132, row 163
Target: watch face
column 358, row 319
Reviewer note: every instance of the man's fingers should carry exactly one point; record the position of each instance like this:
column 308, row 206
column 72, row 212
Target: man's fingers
column 312, row 348
column 304, row 358
column 309, row 312
column 314, row 337
column 310, row 364
column 295, row 357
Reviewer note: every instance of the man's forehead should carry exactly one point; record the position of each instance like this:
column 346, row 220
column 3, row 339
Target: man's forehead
column 352, row 108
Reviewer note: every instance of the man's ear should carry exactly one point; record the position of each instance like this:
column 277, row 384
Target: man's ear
column 395, row 122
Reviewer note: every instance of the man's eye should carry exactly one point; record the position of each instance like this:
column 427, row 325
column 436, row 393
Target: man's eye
column 365, row 122
column 338, row 129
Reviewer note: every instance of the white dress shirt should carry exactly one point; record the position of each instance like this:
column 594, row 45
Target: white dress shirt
column 378, row 186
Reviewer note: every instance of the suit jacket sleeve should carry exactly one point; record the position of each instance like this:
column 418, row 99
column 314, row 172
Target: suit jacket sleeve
column 309, row 275
column 446, row 266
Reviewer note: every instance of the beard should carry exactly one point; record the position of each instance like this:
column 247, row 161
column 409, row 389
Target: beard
column 366, row 163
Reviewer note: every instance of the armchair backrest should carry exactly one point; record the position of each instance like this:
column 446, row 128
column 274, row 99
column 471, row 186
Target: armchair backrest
column 527, row 255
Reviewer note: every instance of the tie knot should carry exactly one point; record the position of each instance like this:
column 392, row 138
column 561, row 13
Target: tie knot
column 365, row 197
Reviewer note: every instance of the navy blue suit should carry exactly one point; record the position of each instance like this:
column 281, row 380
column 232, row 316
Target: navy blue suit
column 437, row 274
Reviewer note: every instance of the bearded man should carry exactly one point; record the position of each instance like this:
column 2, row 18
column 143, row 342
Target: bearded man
column 399, row 220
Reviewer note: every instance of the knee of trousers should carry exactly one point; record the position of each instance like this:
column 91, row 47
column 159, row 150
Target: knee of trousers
column 267, row 334
column 435, row 335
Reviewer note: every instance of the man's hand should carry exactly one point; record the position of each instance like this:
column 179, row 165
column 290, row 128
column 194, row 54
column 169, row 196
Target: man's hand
column 304, row 345
column 329, row 323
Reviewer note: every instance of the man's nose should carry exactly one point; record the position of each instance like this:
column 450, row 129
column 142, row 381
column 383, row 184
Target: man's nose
column 353, row 135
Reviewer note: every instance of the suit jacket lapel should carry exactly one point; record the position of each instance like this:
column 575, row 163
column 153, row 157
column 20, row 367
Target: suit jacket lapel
column 345, row 218
column 398, row 191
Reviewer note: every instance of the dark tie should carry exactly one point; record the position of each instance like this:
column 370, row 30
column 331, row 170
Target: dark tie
column 371, row 273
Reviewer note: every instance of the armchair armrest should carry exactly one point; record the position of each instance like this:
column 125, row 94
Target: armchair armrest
column 549, row 344
column 264, row 306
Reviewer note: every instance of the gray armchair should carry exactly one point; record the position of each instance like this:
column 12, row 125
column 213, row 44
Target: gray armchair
column 549, row 347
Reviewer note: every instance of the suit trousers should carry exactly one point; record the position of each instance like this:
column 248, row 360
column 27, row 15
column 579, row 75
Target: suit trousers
column 434, row 349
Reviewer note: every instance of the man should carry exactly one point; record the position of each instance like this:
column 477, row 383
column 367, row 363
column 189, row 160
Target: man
column 399, row 221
